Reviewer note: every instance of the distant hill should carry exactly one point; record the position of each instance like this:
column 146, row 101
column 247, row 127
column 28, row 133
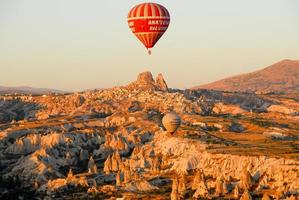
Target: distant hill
column 28, row 90
column 280, row 77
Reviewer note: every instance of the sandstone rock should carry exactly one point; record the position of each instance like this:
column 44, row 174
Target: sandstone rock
column 184, row 148
column 202, row 190
column 280, row 192
column 92, row 167
column 174, row 196
column 140, row 186
column 145, row 78
column 37, row 166
column 135, row 106
column 108, row 165
column 276, row 135
column 190, row 155
column 69, row 160
column 182, row 187
column 93, row 190
column 236, row 192
column 266, row 197
column 57, row 184
column 198, row 179
column 220, row 108
column 83, row 182
column 282, row 109
column 127, row 174
column 246, row 196
column 32, row 142
column 219, row 186
column 117, row 142
column 226, row 188
column 70, row 175
column 156, row 165
column 174, row 193
column 108, row 189
column 118, row 179
column 263, row 183
column 236, row 127
column 161, row 83
column 25, row 145
column 145, row 81
column 115, row 161
column 84, row 155
column 246, row 180
column 63, row 184
column 292, row 198
column 110, row 123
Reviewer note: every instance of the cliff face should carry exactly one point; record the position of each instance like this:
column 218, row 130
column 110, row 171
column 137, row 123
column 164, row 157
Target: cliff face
column 280, row 77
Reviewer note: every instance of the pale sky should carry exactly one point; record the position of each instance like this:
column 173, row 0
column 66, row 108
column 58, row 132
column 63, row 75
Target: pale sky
column 84, row 44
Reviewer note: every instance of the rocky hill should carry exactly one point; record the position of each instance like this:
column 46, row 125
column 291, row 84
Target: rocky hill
column 282, row 77
column 145, row 81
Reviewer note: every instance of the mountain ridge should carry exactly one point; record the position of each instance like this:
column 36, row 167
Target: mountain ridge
column 281, row 77
column 28, row 90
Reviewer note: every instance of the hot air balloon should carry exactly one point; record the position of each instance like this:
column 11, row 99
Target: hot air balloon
column 171, row 121
column 149, row 21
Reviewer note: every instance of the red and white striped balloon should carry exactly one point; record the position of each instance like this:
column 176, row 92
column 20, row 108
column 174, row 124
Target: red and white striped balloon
column 149, row 21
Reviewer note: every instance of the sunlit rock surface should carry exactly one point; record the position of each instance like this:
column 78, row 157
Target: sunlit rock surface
column 108, row 144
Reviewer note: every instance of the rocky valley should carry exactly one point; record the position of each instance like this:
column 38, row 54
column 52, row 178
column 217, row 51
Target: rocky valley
column 111, row 144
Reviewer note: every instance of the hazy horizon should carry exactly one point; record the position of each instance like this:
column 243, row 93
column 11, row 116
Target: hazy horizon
column 75, row 45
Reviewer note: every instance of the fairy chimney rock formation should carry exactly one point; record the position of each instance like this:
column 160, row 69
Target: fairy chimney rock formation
column 156, row 165
column 198, row 179
column 145, row 78
column 84, row 155
column 226, row 188
column 202, row 190
column 174, row 193
column 118, row 179
column 182, row 187
column 70, row 174
column 127, row 174
column 161, row 83
column 108, row 165
column 219, row 186
column 92, row 167
column 145, row 81
column 236, row 192
column 115, row 161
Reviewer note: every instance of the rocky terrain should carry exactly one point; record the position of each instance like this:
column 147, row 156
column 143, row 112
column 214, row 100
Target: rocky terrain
column 28, row 90
column 110, row 144
column 282, row 77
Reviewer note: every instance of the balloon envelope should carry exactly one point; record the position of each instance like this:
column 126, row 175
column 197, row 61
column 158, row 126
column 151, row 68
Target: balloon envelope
column 148, row 21
column 171, row 121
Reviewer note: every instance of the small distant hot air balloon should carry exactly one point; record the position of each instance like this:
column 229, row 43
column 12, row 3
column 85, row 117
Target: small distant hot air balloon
column 149, row 21
column 171, row 121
